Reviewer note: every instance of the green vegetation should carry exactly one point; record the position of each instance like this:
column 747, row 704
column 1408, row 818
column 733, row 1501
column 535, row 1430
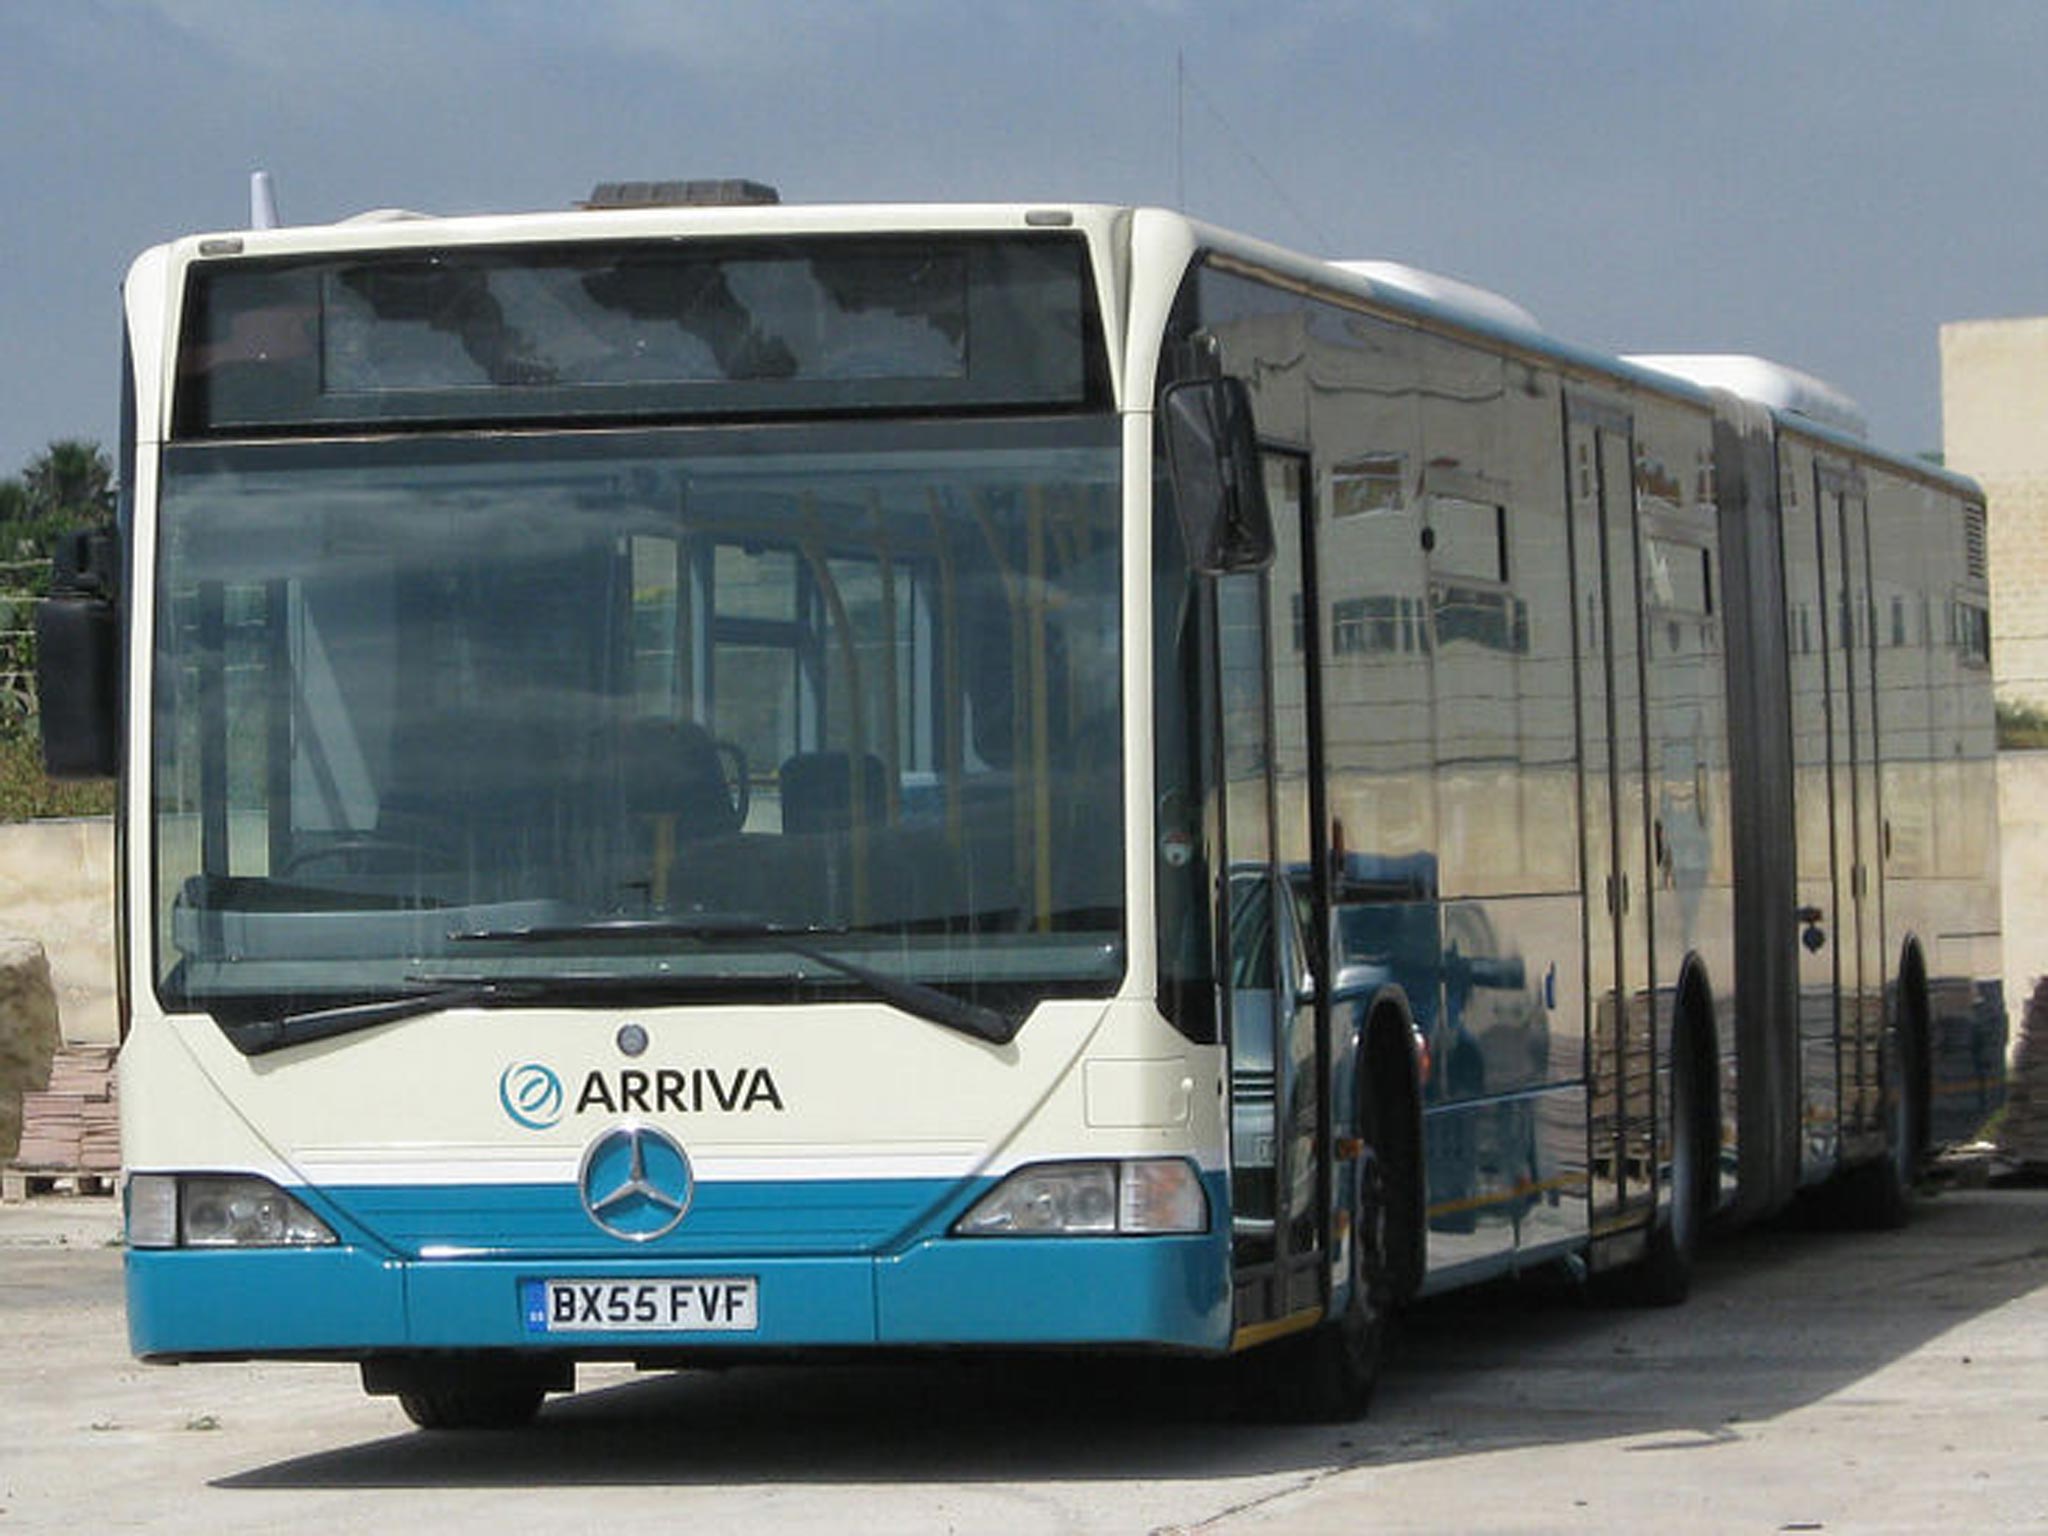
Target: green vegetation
column 2021, row 725
column 27, row 793
column 69, row 485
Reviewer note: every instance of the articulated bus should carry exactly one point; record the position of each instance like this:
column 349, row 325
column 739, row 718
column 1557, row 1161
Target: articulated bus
column 705, row 780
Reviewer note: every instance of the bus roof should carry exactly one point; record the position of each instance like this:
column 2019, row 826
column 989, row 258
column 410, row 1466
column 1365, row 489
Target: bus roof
column 1428, row 297
column 1767, row 383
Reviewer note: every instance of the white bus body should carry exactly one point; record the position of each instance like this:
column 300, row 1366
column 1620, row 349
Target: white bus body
column 695, row 780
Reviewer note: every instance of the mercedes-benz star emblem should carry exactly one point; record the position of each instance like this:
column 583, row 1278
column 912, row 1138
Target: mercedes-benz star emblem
column 635, row 1182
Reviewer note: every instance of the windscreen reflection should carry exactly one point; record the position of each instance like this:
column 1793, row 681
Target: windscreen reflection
column 854, row 685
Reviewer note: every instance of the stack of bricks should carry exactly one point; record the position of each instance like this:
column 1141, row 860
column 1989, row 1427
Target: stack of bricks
column 2023, row 1133
column 71, row 1129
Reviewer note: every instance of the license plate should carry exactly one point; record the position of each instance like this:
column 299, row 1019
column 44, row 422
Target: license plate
column 718, row 1304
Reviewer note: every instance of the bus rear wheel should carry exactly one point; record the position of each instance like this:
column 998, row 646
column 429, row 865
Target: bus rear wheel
column 1663, row 1276
column 1877, row 1196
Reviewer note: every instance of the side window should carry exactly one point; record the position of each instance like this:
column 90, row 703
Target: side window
column 1972, row 632
column 659, row 638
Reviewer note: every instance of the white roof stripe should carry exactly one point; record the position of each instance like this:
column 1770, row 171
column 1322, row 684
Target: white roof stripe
column 1450, row 292
column 1767, row 383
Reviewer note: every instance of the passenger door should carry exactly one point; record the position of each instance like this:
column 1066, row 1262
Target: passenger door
column 1278, row 1072
column 1614, row 820
column 1841, row 966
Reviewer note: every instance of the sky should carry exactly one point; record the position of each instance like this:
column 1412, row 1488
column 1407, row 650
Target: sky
column 1824, row 182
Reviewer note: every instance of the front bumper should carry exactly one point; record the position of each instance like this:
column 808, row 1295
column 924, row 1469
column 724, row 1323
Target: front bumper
column 348, row 1301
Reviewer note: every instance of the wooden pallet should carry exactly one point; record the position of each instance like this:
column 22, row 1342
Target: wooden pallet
column 70, row 1130
column 18, row 1184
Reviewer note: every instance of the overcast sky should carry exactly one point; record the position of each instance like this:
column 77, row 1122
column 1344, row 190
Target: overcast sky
column 1824, row 183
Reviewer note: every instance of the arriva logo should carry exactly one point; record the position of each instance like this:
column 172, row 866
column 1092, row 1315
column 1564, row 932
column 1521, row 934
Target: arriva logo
column 532, row 1095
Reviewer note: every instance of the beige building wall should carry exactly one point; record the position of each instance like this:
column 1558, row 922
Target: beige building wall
column 1994, row 398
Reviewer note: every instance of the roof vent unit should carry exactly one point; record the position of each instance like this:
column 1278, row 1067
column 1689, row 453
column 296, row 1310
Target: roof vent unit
column 1765, row 382
column 729, row 193
column 1450, row 292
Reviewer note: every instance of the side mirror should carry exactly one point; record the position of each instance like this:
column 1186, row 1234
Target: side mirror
column 78, row 660
column 1219, row 483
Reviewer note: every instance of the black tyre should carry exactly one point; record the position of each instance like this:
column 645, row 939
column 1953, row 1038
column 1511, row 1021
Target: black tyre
column 477, row 1398
column 1328, row 1373
column 1346, row 1352
column 1663, row 1278
column 1391, row 1125
column 1877, row 1196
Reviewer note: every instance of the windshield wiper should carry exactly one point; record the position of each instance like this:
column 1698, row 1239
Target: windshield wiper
column 255, row 1037
column 914, row 997
column 436, row 993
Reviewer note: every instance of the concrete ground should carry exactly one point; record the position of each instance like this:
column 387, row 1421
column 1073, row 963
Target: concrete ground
column 1816, row 1381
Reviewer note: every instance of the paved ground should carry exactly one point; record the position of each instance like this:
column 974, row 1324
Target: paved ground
column 1895, row 1382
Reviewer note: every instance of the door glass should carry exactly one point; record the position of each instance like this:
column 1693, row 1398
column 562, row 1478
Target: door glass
column 1293, row 819
column 1613, row 817
column 1856, row 822
column 1811, row 627
column 1636, row 985
column 1597, row 807
column 1262, row 667
column 1256, row 1066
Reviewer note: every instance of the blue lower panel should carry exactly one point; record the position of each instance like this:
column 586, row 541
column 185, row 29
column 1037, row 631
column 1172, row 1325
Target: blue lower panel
column 1128, row 1290
column 276, row 1301
column 1169, row 1292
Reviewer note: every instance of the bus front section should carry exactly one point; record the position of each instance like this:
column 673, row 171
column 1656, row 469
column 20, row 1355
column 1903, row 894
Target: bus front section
column 633, row 848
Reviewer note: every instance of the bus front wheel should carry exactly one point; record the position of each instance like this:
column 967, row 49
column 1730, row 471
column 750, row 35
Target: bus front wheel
column 1328, row 1373
column 463, row 1391
column 1345, row 1352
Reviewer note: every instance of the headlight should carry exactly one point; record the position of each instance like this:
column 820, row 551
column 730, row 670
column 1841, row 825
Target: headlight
column 1135, row 1196
column 209, row 1210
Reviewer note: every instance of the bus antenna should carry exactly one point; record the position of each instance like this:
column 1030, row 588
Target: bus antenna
column 1180, row 130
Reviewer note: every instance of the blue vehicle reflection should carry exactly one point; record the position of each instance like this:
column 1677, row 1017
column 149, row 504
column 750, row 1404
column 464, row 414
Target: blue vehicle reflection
column 1482, row 1035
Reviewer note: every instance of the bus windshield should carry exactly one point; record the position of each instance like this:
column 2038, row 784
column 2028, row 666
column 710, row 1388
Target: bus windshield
column 775, row 712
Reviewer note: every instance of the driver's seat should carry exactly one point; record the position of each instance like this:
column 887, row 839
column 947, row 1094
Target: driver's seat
column 674, row 774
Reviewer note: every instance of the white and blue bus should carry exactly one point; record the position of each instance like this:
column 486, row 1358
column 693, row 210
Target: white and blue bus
column 703, row 777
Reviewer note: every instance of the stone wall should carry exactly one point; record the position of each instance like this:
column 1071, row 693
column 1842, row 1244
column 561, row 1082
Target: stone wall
column 2023, row 1135
column 2023, row 870
column 28, row 1033
column 2023, row 856
column 57, row 889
